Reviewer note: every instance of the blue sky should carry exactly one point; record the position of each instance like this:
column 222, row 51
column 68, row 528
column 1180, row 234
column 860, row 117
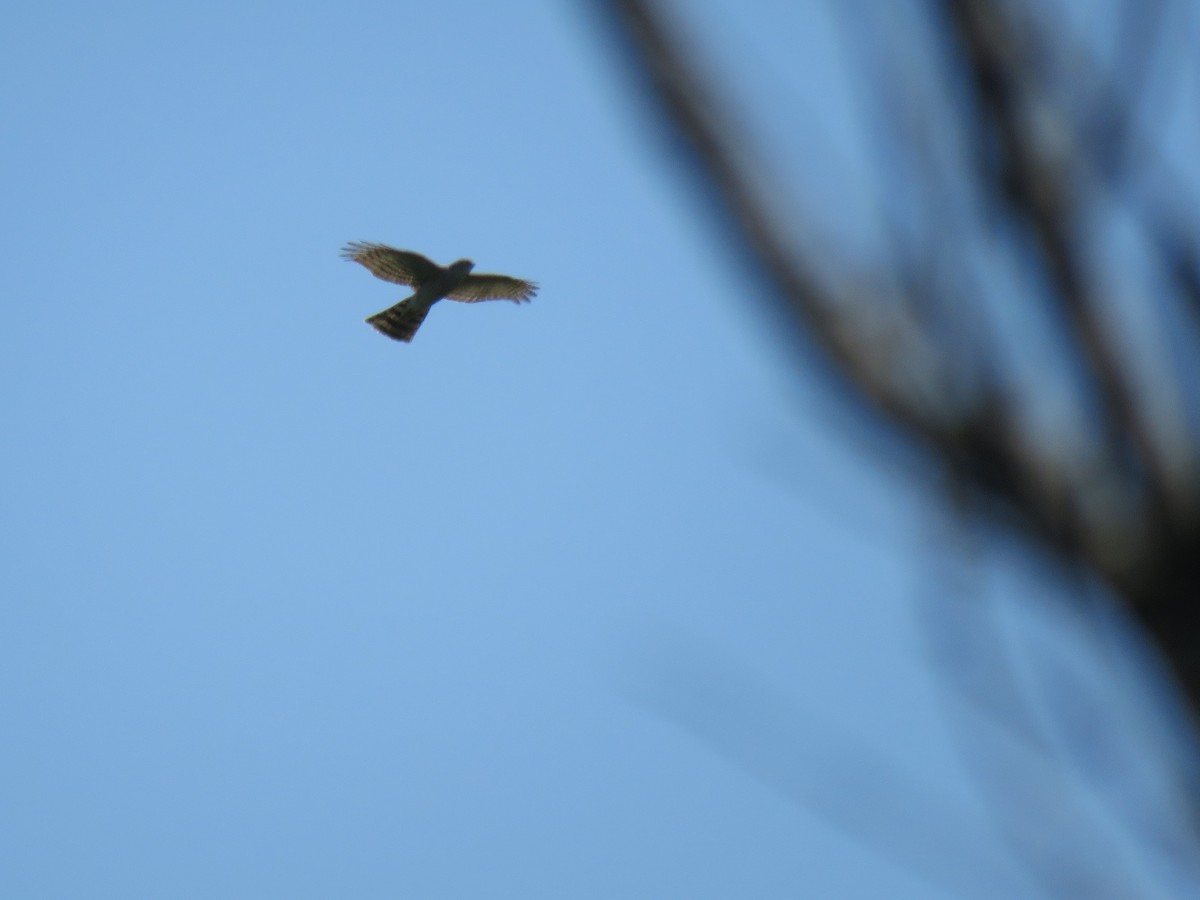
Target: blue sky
column 292, row 610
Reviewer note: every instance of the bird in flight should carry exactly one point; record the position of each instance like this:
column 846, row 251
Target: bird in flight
column 431, row 283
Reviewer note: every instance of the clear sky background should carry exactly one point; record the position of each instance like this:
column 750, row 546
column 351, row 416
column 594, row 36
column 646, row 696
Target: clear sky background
column 291, row 610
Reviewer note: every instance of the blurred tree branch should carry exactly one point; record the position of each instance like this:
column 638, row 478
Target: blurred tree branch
column 916, row 355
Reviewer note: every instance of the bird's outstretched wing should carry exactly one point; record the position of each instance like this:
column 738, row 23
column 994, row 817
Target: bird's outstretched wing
column 390, row 264
column 493, row 287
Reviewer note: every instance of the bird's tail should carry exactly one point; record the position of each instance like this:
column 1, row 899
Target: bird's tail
column 399, row 322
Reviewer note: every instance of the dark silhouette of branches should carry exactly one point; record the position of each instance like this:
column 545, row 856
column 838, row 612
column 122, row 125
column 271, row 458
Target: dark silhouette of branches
column 1027, row 199
column 1055, row 149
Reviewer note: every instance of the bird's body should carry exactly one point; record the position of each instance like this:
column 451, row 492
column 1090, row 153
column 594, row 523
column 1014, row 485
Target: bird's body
column 401, row 321
column 432, row 283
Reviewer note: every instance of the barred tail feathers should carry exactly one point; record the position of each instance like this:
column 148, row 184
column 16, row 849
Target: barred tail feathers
column 399, row 322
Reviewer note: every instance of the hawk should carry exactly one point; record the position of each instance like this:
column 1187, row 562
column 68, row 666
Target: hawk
column 432, row 283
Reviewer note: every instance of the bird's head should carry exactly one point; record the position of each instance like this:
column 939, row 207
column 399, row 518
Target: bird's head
column 462, row 267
